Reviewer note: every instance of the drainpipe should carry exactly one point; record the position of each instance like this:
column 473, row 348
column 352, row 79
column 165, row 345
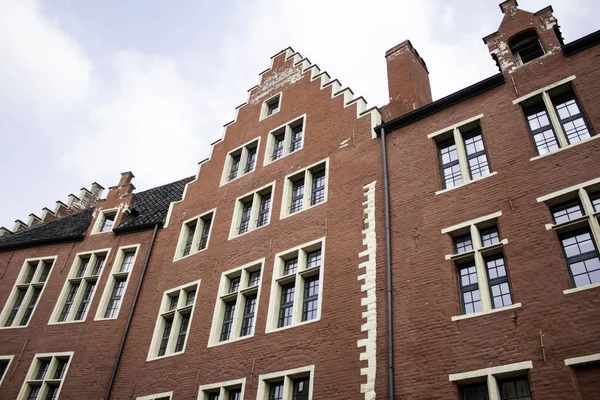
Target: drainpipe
column 388, row 271
column 128, row 324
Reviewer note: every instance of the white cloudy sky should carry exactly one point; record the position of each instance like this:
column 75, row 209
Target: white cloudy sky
column 89, row 89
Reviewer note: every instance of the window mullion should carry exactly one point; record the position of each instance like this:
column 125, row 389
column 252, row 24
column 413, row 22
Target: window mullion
column 554, row 120
column 462, row 155
column 484, row 289
column 287, row 141
column 588, row 209
column 298, row 293
column 77, row 300
column 23, row 306
column 237, row 315
column 493, row 389
column 288, row 386
column 174, row 334
column 308, row 180
column 197, row 233
column 252, row 224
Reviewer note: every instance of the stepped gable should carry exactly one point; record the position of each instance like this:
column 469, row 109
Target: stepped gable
column 151, row 206
column 69, row 228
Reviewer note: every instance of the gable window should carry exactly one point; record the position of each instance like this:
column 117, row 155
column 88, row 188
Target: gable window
column 285, row 140
column 295, row 384
column 576, row 222
column 194, row 236
column 270, row 106
column 230, row 390
column 115, row 288
column 483, row 279
column 305, row 189
column 79, row 288
column 296, row 292
column 252, row 211
column 554, row 117
column 26, row 292
column 525, row 47
column 173, row 323
column 105, row 221
column 46, row 375
column 237, row 304
column 240, row 162
column 461, row 152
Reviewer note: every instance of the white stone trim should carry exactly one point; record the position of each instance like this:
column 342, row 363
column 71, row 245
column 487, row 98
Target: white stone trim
column 243, row 160
column 114, row 274
column 286, row 198
column 4, row 358
column 580, row 288
column 455, row 126
column 368, row 289
column 577, row 361
column 275, row 296
column 196, row 240
column 100, row 217
column 477, row 314
column 32, row 367
column 34, row 282
column 499, row 370
column 156, row 396
column 223, row 387
column 239, row 206
column 466, row 183
column 568, row 190
column 287, row 128
column 568, row 146
column 287, row 376
column 544, row 89
column 264, row 107
column 475, row 221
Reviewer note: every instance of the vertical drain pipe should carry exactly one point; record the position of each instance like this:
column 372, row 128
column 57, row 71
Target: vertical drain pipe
column 388, row 271
column 128, row 324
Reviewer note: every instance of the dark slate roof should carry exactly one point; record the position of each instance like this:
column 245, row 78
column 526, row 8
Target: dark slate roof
column 150, row 207
column 70, row 228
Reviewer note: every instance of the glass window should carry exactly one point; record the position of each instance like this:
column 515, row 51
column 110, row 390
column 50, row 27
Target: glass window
column 245, row 219
column 273, row 106
column 276, row 391
column 297, row 196
column 206, row 222
column 250, row 160
column 318, row 188
column 476, row 156
column 582, row 257
column 489, row 236
column 290, row 266
column 264, row 209
column 127, row 262
column 478, row 391
column 296, row 137
column 311, row 298
column 107, row 222
column 191, row 230
column 463, row 243
column 286, row 305
column 469, row 288
column 541, row 130
column 227, row 320
column 515, row 389
column 301, row 386
column 235, row 164
column 451, row 174
column 115, row 298
column 498, row 282
column 278, row 147
column 234, row 284
column 571, row 118
column 248, row 317
column 567, row 212
column 526, row 47
column 254, row 278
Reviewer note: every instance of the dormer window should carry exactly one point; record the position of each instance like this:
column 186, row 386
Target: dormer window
column 526, row 47
column 105, row 221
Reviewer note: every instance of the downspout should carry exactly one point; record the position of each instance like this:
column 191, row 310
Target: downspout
column 388, row 270
column 128, row 324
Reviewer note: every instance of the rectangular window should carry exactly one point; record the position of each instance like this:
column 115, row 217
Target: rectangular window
column 297, row 290
column 582, row 257
column 105, row 221
column 116, row 286
column 462, row 153
column 515, row 389
column 285, row 140
column 554, row 118
column 504, row 382
column 194, row 236
column 240, row 161
column 270, row 106
column 80, row 287
column 252, row 211
column 26, row 292
column 477, row 391
column 294, row 384
column 45, row 376
column 4, row 364
column 174, row 320
column 237, row 304
column 230, row 390
column 305, row 189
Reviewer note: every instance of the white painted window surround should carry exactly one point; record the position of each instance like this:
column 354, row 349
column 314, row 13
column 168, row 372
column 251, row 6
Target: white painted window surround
column 101, row 218
column 256, row 198
column 264, row 111
column 46, row 375
column 197, row 226
column 7, row 361
column 286, row 131
column 157, row 396
column 306, row 175
column 222, row 388
column 492, row 375
column 244, row 168
column 583, row 360
column 287, row 377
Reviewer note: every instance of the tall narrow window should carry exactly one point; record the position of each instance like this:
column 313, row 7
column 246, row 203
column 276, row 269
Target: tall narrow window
column 265, row 208
column 195, row 234
column 287, row 305
column 4, row 363
column 582, row 257
column 237, row 303
column 240, row 161
column 318, row 188
column 451, row 173
column 206, row 223
column 571, row 118
column 285, row 140
column 276, row 391
column 278, row 146
column 235, row 164
column 173, row 325
column 26, row 292
column 46, row 375
column 250, row 160
column 469, row 289
column 526, row 47
column 541, row 130
column 245, row 220
column 116, row 285
column 297, row 131
column 301, row 386
column 80, row 287
column 311, row 298
column 252, row 211
column 297, row 196
column 476, row 156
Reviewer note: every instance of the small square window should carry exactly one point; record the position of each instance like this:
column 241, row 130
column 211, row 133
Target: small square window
column 463, row 243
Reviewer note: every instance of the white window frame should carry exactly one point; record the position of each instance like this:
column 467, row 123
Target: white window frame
column 223, row 387
column 265, row 106
column 590, row 216
column 308, row 181
column 287, row 128
column 472, row 227
column 239, row 207
column 156, row 396
column 29, row 378
column 114, row 276
column 86, row 277
column 561, row 138
column 181, row 291
column 243, row 160
column 200, row 220
column 4, row 358
column 224, row 296
column 299, row 277
column 491, row 376
column 288, row 377
column 29, row 291
column 100, row 220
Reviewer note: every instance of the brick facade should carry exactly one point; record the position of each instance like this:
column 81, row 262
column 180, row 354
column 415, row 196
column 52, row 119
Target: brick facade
column 346, row 347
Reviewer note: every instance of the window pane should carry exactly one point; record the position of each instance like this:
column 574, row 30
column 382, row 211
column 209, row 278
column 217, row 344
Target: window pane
column 264, row 209
column 463, row 244
column 251, row 160
column 517, row 389
column 311, row 299
column 476, row 392
column 254, row 278
column 191, row 230
column 206, row 222
column 227, row 321
column 313, row 259
column 278, row 147
column 318, row 188
column 297, row 196
column 545, row 141
column 290, row 266
column 127, row 262
column 165, row 337
column 248, row 318
column 183, row 328
column 566, row 212
column 490, row 236
column 452, row 176
column 301, row 387
column 296, row 138
column 286, row 305
column 276, row 391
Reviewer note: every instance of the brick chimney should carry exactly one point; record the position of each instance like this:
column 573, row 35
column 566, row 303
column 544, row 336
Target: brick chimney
column 408, row 80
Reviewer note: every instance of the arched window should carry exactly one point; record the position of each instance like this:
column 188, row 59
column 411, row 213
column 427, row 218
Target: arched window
column 525, row 47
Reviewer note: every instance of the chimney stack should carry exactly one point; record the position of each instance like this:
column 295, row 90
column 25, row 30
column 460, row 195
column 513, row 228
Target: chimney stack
column 408, row 80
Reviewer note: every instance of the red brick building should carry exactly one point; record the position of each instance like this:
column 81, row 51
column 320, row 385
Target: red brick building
column 457, row 258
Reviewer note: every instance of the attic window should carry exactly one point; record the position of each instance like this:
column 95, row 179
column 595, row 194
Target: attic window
column 526, row 47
